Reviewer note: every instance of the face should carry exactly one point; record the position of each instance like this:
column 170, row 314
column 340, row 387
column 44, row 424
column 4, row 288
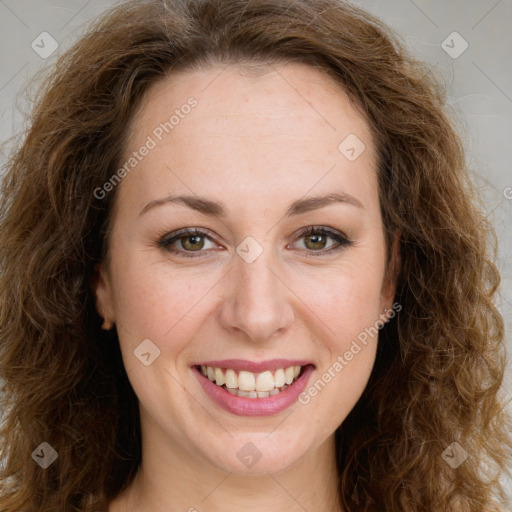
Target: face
column 247, row 240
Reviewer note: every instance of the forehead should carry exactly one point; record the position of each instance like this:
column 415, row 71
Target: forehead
column 301, row 91
column 289, row 125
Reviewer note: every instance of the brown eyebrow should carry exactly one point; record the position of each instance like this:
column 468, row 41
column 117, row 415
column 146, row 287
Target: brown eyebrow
column 217, row 209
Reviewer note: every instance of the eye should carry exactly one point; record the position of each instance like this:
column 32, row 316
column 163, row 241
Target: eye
column 193, row 242
column 187, row 242
column 315, row 239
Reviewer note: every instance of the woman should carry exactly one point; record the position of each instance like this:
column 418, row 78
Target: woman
column 242, row 268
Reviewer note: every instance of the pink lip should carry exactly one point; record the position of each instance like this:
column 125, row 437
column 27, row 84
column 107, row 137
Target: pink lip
column 242, row 406
column 254, row 367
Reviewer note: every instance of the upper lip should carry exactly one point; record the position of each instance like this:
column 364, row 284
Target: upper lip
column 254, row 366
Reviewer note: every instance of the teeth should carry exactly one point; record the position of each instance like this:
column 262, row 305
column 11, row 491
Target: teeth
column 279, row 379
column 246, row 381
column 250, row 385
column 219, row 377
column 265, row 382
column 288, row 375
column 231, row 379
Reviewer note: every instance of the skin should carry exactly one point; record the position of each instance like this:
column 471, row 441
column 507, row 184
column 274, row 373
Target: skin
column 255, row 143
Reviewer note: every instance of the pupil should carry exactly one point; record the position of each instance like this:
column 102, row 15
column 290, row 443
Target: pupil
column 193, row 242
column 318, row 241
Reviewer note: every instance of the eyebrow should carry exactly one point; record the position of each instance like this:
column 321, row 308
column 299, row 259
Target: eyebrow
column 217, row 208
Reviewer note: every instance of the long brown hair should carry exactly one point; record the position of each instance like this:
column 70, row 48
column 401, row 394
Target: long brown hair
column 440, row 362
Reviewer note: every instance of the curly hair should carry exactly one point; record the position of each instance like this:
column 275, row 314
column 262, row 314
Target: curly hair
column 440, row 363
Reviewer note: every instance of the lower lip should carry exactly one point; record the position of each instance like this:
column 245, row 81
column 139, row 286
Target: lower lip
column 255, row 406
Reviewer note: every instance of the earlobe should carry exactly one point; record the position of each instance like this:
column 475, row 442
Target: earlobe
column 392, row 272
column 101, row 288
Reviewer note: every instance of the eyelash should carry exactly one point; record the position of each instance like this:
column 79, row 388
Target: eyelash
column 168, row 239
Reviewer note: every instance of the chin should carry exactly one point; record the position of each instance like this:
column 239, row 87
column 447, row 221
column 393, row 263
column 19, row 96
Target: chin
column 259, row 453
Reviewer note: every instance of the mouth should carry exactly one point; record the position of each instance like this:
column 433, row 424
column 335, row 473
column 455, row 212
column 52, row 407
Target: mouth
column 248, row 384
column 247, row 388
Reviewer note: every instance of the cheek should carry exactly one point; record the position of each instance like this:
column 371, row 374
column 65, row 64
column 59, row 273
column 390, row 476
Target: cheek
column 153, row 302
column 338, row 387
column 346, row 365
column 348, row 303
column 347, row 298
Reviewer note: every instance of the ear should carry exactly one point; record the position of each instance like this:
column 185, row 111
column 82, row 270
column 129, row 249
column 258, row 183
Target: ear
column 391, row 276
column 102, row 290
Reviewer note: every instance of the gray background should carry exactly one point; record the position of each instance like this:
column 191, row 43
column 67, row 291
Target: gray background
column 478, row 83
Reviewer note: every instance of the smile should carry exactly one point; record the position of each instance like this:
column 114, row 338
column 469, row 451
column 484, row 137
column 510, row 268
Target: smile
column 247, row 388
column 252, row 385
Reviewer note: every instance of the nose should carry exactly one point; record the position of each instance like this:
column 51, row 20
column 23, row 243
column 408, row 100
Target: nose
column 257, row 303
